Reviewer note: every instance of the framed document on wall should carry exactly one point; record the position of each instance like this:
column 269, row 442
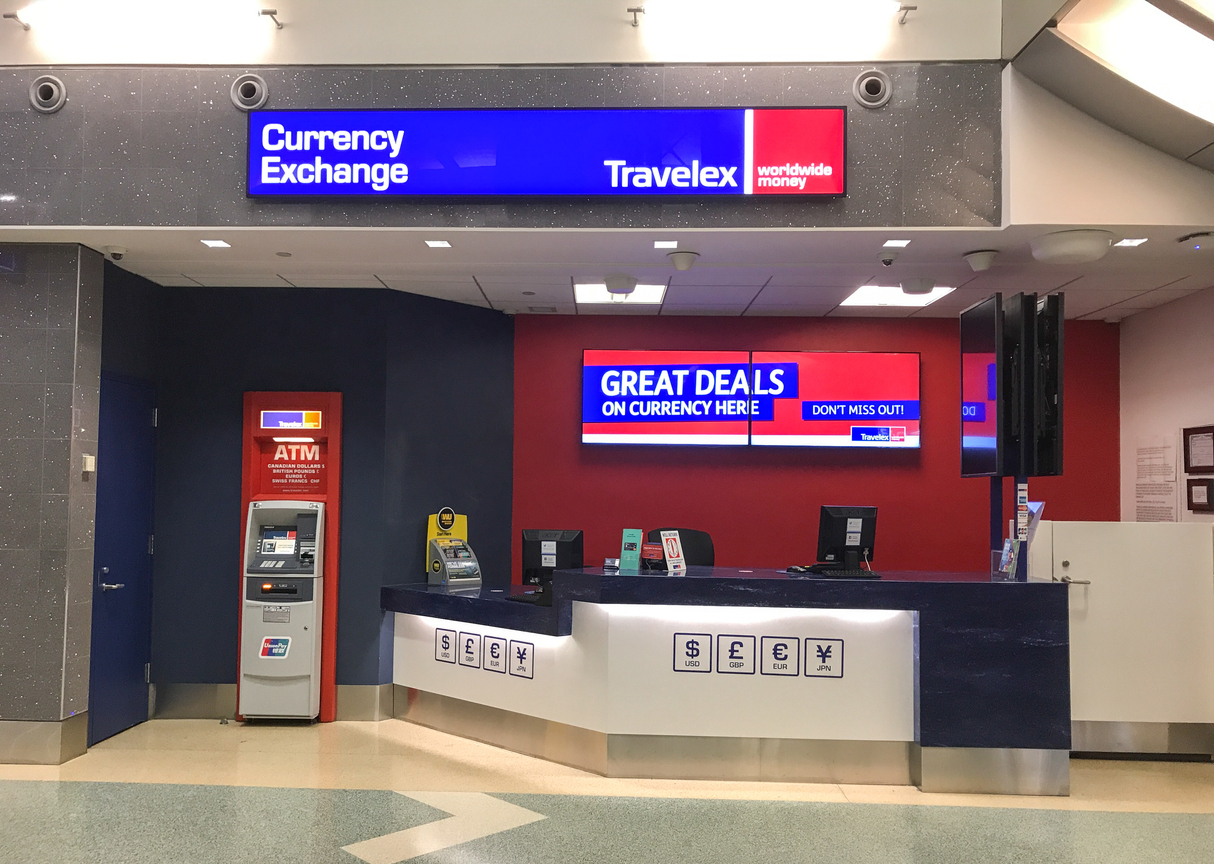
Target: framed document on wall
column 1199, row 450
column 1201, row 495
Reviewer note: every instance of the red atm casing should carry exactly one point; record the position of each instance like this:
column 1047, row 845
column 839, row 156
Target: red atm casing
column 300, row 473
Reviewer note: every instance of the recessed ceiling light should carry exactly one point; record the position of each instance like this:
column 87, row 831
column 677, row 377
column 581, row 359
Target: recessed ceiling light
column 283, row 254
column 896, row 244
column 596, row 292
column 217, row 244
column 438, row 244
column 8, row 197
column 877, row 295
column 665, row 244
column 1131, row 241
column 528, row 293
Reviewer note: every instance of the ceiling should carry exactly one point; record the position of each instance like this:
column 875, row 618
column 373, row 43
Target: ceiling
column 801, row 272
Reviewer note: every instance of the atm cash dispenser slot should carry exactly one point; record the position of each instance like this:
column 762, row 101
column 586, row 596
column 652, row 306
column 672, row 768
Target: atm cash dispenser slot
column 453, row 563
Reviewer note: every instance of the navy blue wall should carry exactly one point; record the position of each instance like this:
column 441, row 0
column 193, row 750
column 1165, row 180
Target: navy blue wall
column 403, row 452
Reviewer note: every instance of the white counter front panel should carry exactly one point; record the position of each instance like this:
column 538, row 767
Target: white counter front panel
column 682, row 670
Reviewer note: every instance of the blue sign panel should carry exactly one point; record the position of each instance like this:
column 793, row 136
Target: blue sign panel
column 734, row 151
column 866, row 410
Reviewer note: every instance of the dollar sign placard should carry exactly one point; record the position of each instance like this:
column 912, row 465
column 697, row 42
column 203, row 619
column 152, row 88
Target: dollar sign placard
column 692, row 652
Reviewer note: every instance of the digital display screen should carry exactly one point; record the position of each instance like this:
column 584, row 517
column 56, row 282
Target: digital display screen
column 764, row 398
column 836, row 399
column 278, row 541
column 980, row 345
column 611, row 151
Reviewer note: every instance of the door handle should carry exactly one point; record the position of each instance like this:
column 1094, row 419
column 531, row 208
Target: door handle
column 112, row 586
column 1069, row 581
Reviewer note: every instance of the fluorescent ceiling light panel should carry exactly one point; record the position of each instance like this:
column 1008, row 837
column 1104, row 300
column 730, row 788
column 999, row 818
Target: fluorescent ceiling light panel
column 896, row 244
column 438, row 244
column 665, row 244
column 1148, row 47
column 1131, row 241
column 596, row 292
column 216, row 244
column 893, row 295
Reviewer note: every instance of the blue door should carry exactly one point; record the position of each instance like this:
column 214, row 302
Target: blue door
column 122, row 557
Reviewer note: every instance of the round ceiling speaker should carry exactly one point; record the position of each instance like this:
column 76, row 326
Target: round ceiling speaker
column 249, row 92
column 872, row 88
column 683, row 260
column 47, row 94
column 1071, row 247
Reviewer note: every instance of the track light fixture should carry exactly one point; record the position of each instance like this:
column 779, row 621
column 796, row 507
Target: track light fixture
column 272, row 14
column 13, row 16
column 906, row 10
column 635, row 11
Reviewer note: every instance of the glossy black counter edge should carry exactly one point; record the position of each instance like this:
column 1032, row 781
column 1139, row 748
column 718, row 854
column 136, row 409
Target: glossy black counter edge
column 417, row 599
column 994, row 658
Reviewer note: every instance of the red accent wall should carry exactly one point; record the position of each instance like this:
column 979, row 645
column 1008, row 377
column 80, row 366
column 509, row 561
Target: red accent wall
column 761, row 504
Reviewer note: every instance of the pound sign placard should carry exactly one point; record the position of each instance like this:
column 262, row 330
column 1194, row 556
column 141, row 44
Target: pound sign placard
column 736, row 655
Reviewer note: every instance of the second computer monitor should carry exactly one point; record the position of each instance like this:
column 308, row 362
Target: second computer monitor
column 846, row 535
column 548, row 550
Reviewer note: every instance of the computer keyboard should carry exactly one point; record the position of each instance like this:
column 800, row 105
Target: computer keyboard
column 804, row 572
column 846, row 574
column 533, row 598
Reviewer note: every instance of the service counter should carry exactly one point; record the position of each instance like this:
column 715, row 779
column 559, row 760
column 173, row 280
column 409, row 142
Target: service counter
column 727, row 673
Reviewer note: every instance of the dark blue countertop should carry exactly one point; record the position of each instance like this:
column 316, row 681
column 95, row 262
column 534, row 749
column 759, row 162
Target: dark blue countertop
column 994, row 658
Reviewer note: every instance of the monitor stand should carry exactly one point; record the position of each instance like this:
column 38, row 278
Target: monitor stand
column 851, row 561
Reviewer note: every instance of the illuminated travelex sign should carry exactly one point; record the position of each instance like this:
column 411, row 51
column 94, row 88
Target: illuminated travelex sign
column 666, row 151
column 290, row 420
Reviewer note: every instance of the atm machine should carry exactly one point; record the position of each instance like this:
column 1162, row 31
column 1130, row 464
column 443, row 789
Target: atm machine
column 280, row 627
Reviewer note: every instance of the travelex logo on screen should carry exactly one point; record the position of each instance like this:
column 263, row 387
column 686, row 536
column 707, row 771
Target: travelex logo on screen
column 739, row 397
column 732, row 151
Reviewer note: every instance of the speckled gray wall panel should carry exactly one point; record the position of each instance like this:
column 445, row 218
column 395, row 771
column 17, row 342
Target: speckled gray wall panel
column 50, row 351
column 166, row 147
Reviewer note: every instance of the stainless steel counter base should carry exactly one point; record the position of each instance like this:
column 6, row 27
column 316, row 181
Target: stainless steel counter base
column 994, row 771
column 51, row 742
column 1187, row 739
column 662, row 756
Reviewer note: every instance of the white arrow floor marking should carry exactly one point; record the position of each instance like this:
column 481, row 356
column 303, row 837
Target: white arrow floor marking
column 473, row 815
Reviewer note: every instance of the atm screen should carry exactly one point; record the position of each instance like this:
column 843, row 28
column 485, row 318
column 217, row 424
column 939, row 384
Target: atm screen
column 277, row 541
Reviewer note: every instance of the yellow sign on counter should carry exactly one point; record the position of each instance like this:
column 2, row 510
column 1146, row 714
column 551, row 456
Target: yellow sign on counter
column 446, row 523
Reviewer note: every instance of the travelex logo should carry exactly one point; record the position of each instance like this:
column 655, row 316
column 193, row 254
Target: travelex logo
column 275, row 647
column 793, row 151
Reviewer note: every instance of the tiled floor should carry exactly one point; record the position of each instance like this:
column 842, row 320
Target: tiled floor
column 198, row 791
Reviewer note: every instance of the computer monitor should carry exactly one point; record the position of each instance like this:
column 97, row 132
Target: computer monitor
column 547, row 550
column 846, row 535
